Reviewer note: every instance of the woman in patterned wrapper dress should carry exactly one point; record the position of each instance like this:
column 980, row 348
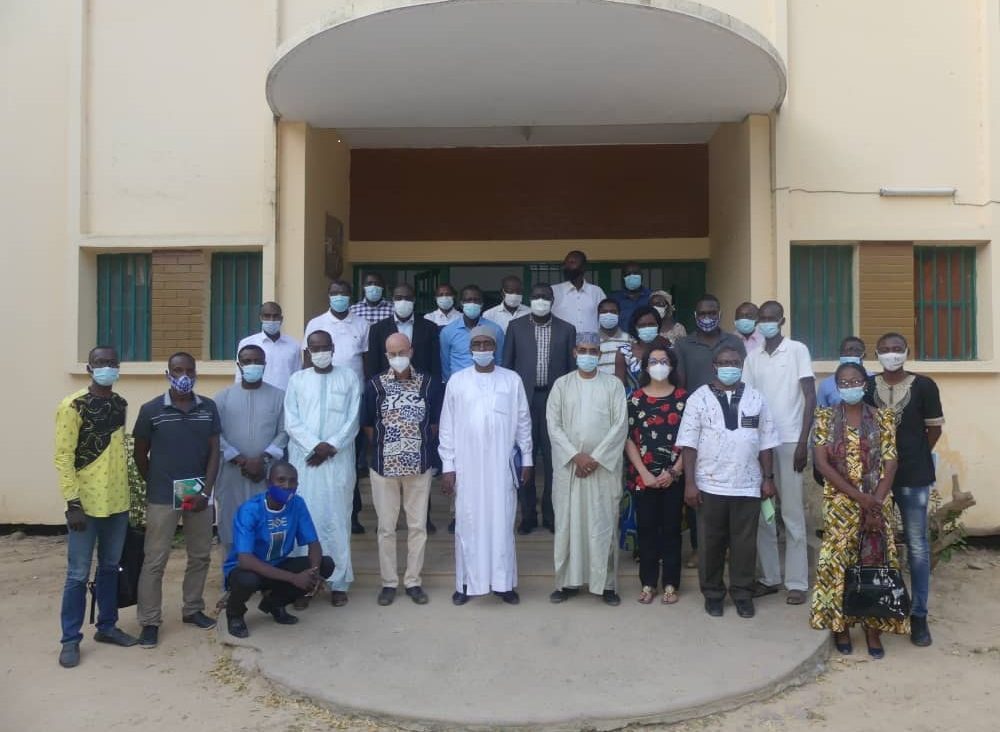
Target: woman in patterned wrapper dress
column 856, row 454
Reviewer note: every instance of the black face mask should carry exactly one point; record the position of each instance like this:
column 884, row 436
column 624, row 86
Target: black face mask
column 571, row 274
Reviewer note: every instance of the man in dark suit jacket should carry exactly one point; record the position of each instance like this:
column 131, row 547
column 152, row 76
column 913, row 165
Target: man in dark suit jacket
column 423, row 334
column 539, row 347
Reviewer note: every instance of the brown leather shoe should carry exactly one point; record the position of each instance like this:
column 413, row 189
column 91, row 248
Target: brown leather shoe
column 796, row 597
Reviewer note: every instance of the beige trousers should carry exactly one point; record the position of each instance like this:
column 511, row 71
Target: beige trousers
column 387, row 495
column 161, row 523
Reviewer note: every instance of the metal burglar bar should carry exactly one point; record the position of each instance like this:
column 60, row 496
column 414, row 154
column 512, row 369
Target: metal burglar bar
column 123, row 304
column 236, row 295
column 944, row 299
column 822, row 305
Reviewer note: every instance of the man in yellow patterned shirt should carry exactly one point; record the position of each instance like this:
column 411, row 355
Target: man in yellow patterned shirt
column 93, row 478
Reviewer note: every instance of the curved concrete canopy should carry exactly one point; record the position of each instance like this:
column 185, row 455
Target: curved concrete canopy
column 463, row 64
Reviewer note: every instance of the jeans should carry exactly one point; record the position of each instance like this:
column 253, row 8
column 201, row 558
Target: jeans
column 109, row 535
column 912, row 504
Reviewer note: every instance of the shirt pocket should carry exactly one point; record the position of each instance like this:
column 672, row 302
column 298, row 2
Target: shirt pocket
column 338, row 402
column 501, row 401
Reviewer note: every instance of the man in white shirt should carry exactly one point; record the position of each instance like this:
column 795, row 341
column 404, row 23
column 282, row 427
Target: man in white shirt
column 348, row 331
column 782, row 372
column 727, row 436
column 446, row 312
column 576, row 299
column 511, row 307
column 283, row 354
column 745, row 320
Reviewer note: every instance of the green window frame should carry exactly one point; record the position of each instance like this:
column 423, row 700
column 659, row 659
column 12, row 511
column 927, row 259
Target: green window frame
column 235, row 301
column 124, row 311
column 944, row 301
column 822, row 302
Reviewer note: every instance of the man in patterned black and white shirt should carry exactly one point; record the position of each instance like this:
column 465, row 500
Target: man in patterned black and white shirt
column 400, row 418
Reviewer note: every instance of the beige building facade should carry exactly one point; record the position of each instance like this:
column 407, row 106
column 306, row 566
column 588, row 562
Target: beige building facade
column 166, row 166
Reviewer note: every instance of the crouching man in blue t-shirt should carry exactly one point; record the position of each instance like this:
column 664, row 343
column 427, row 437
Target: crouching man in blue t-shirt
column 265, row 531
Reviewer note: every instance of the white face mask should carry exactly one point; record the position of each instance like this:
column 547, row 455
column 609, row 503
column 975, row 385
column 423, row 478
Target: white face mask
column 659, row 371
column 892, row 361
column 662, row 310
column 512, row 300
column 399, row 364
column 403, row 308
column 541, row 307
column 321, row 359
column 445, row 302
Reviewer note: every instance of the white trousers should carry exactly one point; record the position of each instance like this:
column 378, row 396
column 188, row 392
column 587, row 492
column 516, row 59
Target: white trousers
column 793, row 515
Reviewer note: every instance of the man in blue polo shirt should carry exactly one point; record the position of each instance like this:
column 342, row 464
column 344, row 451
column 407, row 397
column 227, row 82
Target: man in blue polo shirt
column 633, row 295
column 454, row 338
column 265, row 530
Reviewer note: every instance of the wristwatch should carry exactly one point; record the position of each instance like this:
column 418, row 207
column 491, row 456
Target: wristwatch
column 769, row 476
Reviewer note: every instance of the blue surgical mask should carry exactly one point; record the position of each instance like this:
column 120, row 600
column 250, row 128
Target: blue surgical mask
column 633, row 281
column 851, row 394
column 707, row 324
column 445, row 302
column 373, row 293
column 482, row 358
column 181, row 384
column 745, row 325
column 280, row 495
column 271, row 327
column 340, row 303
column 472, row 310
column 253, row 372
column 104, row 375
column 729, row 375
column 851, row 359
column 647, row 333
column 587, row 362
column 769, row 330
column 608, row 321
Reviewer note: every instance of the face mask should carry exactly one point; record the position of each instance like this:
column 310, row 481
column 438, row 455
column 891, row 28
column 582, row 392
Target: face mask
column 403, row 308
column 280, row 495
column 769, row 330
column 512, row 300
column 851, row 359
column 745, row 325
column 399, row 364
column 707, row 324
column 659, row 371
column 321, row 359
column 647, row 333
column 373, row 293
column 892, row 361
column 571, row 274
column 445, row 302
column 609, row 321
column 472, row 310
column 271, row 327
column 104, row 375
column 253, row 372
column 541, row 307
column 852, row 394
column 482, row 358
column 661, row 309
column 182, row 384
column 340, row 303
column 587, row 362
column 633, row 281
column 729, row 375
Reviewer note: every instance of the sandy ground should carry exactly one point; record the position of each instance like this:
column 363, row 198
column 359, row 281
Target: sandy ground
column 190, row 682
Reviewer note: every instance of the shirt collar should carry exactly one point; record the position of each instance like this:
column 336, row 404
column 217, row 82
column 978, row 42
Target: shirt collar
column 168, row 402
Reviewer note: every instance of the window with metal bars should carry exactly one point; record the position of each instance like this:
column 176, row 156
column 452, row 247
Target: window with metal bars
column 235, row 301
column 944, row 300
column 124, row 304
column 822, row 302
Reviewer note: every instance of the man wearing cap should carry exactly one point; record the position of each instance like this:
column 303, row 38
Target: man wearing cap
column 485, row 436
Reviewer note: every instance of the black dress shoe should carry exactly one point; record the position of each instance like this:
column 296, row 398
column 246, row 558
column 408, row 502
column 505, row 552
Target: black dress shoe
column 558, row 596
column 69, row 656
column 357, row 528
column 282, row 616
column 237, row 627
column 117, row 637
column 920, row 634
column 713, row 607
column 149, row 637
column 417, row 594
column 459, row 598
column 510, row 597
column 386, row 596
column 451, row 526
column 200, row 620
column 744, row 608
column 611, row 598
column 431, row 528
column 762, row 590
column 550, row 526
column 526, row 527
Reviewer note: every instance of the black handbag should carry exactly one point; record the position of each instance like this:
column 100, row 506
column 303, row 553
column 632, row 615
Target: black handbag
column 129, row 569
column 875, row 590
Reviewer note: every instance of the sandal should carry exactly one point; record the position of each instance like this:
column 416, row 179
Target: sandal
column 670, row 595
column 646, row 596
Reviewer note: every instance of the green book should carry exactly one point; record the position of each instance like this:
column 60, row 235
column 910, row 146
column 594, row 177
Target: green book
column 185, row 489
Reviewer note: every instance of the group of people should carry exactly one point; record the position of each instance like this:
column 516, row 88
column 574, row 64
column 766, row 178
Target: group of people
column 622, row 406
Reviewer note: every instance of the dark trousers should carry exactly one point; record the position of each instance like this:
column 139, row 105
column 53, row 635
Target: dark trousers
column 659, row 514
column 540, row 439
column 727, row 523
column 243, row 583
column 361, row 463
column 692, row 522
